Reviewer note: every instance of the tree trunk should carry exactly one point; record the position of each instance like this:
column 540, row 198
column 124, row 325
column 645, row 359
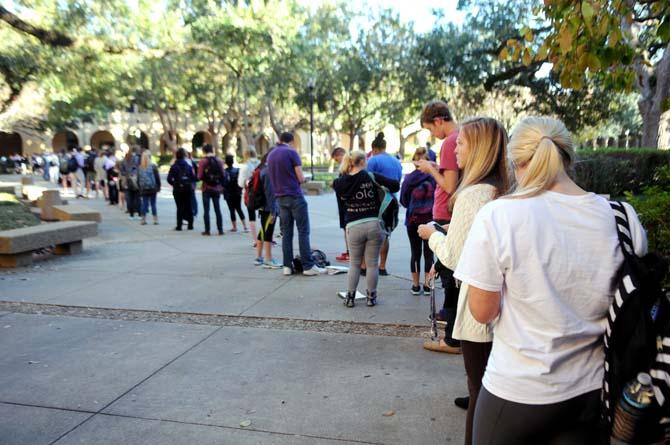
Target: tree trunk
column 227, row 138
column 403, row 142
column 654, row 86
column 351, row 140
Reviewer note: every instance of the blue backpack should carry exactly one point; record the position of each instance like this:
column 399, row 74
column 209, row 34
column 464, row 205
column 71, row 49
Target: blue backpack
column 147, row 180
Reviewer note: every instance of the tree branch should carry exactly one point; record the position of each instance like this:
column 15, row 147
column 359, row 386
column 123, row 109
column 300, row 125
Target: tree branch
column 51, row 38
column 510, row 73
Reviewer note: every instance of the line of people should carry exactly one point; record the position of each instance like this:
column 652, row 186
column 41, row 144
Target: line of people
column 527, row 270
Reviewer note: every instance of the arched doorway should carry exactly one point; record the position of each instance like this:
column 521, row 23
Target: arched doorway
column 63, row 140
column 10, row 143
column 262, row 145
column 164, row 143
column 102, row 138
column 137, row 137
column 199, row 139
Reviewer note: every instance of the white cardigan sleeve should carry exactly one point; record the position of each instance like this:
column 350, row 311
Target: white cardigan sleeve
column 448, row 247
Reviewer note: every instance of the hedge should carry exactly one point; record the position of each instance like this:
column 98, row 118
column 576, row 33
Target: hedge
column 615, row 172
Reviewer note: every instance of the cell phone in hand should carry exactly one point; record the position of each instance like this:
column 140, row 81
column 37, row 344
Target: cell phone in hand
column 439, row 228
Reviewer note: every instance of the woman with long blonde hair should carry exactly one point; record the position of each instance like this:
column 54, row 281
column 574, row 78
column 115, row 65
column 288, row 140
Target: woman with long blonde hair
column 480, row 153
column 541, row 261
column 149, row 182
column 359, row 191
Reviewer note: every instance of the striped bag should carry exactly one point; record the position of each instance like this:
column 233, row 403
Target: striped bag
column 637, row 337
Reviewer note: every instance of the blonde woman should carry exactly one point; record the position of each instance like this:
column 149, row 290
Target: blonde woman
column 480, row 153
column 359, row 193
column 246, row 171
column 541, row 261
column 149, row 182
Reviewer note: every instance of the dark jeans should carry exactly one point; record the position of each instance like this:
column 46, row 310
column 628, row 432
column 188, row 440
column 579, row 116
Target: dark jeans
column 149, row 200
column 208, row 195
column 235, row 205
column 294, row 209
column 475, row 358
column 417, row 245
column 194, row 203
column 133, row 202
column 501, row 422
column 450, row 297
column 184, row 210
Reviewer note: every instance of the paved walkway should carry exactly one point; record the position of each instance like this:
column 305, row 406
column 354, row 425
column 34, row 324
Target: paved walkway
column 156, row 336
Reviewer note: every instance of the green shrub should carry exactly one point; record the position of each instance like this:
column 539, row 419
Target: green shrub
column 163, row 159
column 653, row 208
column 615, row 172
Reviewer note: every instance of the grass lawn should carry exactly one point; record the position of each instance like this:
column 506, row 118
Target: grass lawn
column 13, row 214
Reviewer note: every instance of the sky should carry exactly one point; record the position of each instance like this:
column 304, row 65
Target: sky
column 417, row 11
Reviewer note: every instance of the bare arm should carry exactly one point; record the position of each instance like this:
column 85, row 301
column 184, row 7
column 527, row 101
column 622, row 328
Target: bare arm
column 484, row 305
column 447, row 180
column 299, row 174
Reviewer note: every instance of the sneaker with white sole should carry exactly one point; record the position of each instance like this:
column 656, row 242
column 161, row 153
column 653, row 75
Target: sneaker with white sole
column 314, row 270
column 272, row 264
column 258, row 261
column 288, row 271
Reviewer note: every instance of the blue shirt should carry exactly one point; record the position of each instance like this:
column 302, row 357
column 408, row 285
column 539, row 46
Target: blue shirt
column 282, row 162
column 385, row 165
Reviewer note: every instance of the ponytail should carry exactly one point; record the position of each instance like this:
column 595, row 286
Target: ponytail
column 351, row 160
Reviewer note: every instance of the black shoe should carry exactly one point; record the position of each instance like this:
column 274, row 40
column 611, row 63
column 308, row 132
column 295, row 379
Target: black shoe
column 416, row 290
column 190, row 227
column 220, row 232
column 178, row 229
column 206, row 234
column 372, row 298
column 363, row 272
column 462, row 402
column 349, row 299
column 426, row 289
column 383, row 272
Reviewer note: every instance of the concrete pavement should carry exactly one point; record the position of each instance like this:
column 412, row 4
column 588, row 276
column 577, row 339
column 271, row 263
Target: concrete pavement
column 103, row 379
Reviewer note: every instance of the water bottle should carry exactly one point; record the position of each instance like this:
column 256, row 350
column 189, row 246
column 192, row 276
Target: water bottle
column 637, row 397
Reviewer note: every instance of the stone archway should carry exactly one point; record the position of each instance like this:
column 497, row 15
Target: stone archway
column 10, row 143
column 102, row 138
column 199, row 140
column 64, row 140
column 137, row 137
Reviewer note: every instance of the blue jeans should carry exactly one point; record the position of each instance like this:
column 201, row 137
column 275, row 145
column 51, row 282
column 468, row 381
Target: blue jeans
column 146, row 200
column 294, row 208
column 214, row 196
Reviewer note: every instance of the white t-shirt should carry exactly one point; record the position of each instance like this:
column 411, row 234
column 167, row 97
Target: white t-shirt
column 553, row 257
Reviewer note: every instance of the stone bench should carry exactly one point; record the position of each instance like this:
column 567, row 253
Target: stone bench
column 314, row 187
column 75, row 212
column 17, row 245
column 46, row 203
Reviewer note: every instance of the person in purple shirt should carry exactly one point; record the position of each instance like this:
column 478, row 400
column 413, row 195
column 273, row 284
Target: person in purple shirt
column 285, row 171
column 390, row 167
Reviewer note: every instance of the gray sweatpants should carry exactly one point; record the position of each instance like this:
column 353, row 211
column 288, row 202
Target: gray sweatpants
column 364, row 239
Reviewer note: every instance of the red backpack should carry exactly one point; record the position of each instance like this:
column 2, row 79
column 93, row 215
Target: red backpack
column 255, row 195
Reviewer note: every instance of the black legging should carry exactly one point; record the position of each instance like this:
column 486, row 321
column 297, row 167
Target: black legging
column 235, row 205
column 184, row 209
column 416, row 244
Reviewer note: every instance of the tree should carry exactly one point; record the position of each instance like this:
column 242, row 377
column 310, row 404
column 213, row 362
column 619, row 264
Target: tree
column 624, row 42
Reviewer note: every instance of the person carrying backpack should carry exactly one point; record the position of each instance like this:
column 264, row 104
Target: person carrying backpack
column 361, row 193
column 181, row 179
column 90, row 172
column 130, row 187
column 268, row 208
column 149, row 182
column 211, row 172
column 233, row 193
column 416, row 194
column 247, row 169
column 542, row 262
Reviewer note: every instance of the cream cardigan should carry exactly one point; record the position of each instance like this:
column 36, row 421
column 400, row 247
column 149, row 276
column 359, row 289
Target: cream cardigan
column 448, row 249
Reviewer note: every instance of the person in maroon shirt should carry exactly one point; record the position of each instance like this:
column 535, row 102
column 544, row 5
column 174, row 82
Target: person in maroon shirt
column 211, row 173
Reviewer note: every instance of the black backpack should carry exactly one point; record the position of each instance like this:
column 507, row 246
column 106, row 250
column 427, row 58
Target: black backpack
column 638, row 329
column 320, row 260
column 90, row 163
column 72, row 164
column 213, row 173
column 183, row 181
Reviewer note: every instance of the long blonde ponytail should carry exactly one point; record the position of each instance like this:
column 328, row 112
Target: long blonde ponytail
column 351, row 160
column 544, row 146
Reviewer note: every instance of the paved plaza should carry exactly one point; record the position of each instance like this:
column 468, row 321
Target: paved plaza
column 152, row 336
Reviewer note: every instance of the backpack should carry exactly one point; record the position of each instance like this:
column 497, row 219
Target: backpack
column 213, row 172
column 388, row 207
column 90, row 163
column 319, row 258
column 231, row 181
column 637, row 336
column 131, row 179
column 64, row 166
column 147, row 180
column 183, row 182
column 255, row 196
column 421, row 203
column 72, row 164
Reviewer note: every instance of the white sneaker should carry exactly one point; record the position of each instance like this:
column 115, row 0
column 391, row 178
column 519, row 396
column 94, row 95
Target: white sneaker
column 314, row 270
column 288, row 271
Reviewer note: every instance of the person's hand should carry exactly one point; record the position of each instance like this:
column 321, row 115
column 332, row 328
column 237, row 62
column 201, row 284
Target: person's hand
column 426, row 230
column 425, row 166
column 431, row 274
